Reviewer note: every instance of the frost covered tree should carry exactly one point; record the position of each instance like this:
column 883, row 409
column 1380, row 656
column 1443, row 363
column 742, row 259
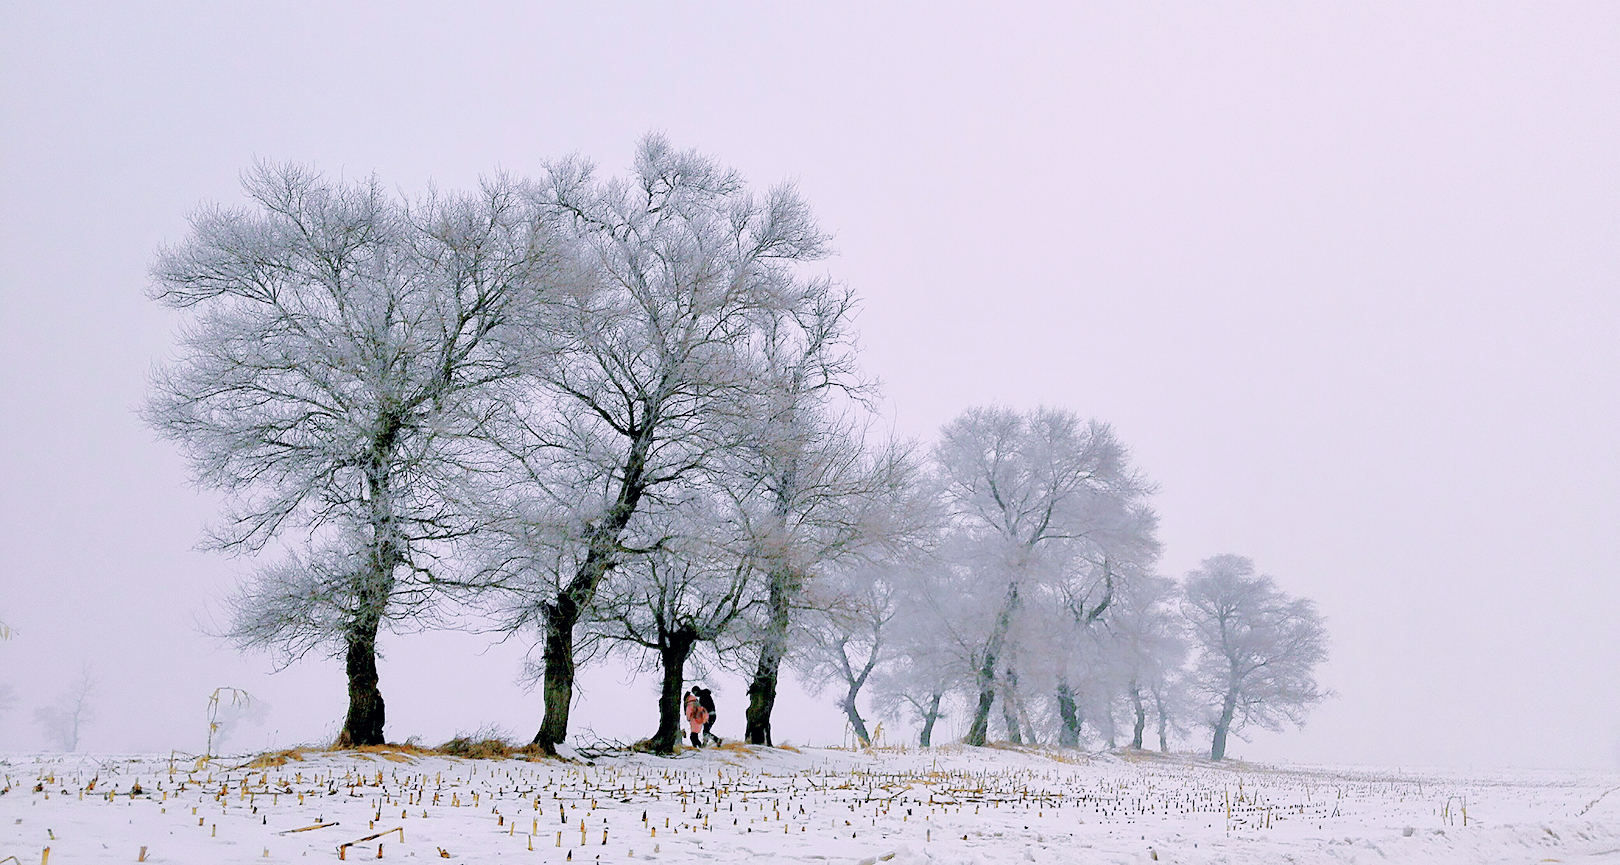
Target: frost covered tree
column 1147, row 644
column 654, row 364
column 340, row 343
column 1257, row 648
column 931, row 651
column 63, row 721
column 815, row 492
column 1042, row 505
column 836, row 508
column 849, row 639
column 662, row 606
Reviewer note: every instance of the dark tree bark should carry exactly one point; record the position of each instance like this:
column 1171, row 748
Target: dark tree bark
column 364, row 723
column 677, row 648
column 1141, row 716
column 762, row 700
column 557, row 688
column 929, row 717
column 1069, row 712
column 762, row 690
column 1217, row 749
column 563, row 613
column 980, row 729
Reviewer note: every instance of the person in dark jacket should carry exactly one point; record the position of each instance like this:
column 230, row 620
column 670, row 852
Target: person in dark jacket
column 706, row 700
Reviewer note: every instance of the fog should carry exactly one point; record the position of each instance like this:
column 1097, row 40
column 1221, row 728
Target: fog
column 1342, row 276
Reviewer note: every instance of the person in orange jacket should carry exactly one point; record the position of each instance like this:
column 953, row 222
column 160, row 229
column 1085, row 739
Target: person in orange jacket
column 696, row 717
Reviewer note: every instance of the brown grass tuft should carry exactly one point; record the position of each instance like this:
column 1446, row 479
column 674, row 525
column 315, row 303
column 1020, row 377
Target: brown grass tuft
column 478, row 746
column 272, row 759
column 477, row 749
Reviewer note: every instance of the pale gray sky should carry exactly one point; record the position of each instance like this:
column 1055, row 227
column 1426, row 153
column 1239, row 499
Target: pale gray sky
column 1343, row 275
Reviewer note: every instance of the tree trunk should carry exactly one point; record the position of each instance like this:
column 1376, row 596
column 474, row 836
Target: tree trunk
column 676, row 650
column 1009, row 707
column 929, row 717
column 558, row 658
column 1069, row 711
column 1217, row 748
column 1164, row 723
column 762, row 691
column 562, row 614
column 980, row 729
column 1030, row 735
column 856, row 721
column 1141, row 716
column 762, row 699
column 364, row 723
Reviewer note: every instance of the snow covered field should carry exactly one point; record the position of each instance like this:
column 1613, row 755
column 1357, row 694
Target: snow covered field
column 947, row 805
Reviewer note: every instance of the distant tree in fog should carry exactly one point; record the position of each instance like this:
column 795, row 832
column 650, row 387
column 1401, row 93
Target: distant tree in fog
column 1043, row 506
column 848, row 639
column 1257, row 648
column 932, row 655
column 1148, row 647
column 338, row 346
column 64, row 720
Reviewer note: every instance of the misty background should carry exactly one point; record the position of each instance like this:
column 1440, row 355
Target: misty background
column 1342, row 276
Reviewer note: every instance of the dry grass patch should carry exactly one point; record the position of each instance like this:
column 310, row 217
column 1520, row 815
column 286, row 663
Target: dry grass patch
column 272, row 759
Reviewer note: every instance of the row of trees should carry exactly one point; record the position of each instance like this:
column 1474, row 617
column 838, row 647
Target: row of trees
column 1222, row 650
column 1037, row 589
column 624, row 415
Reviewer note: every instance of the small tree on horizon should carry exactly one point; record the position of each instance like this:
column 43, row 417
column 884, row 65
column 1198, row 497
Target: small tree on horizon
column 63, row 721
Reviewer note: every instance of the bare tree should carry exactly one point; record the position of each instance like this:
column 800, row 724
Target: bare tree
column 931, row 652
column 822, row 502
column 849, row 638
column 1147, row 645
column 814, row 490
column 654, row 361
column 694, row 588
column 63, row 721
column 1042, row 503
column 1257, row 647
column 340, row 346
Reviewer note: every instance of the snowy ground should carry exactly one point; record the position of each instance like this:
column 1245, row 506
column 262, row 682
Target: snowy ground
column 947, row 805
